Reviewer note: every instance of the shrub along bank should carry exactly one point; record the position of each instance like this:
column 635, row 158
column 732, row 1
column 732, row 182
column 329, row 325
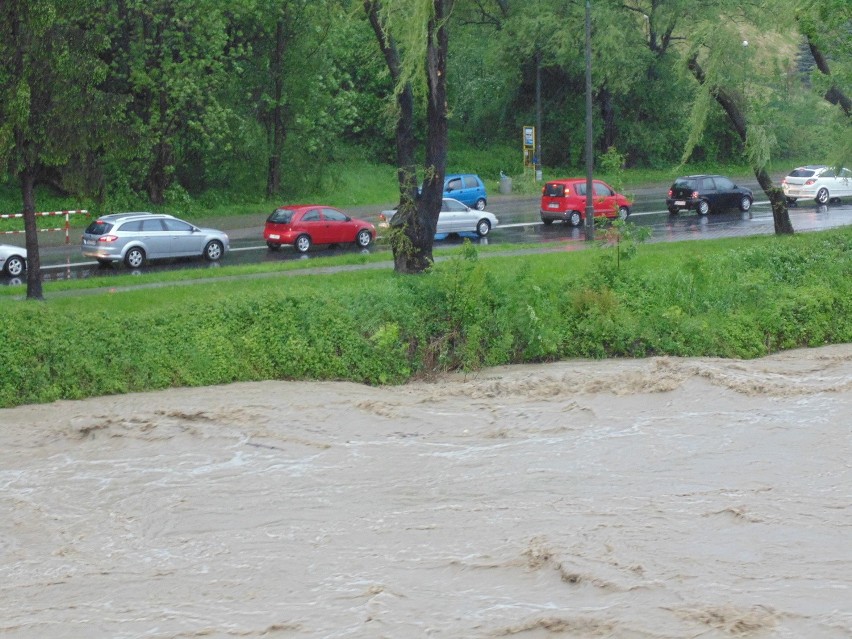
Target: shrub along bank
column 739, row 298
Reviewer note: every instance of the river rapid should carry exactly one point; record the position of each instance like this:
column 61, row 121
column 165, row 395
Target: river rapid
column 654, row 498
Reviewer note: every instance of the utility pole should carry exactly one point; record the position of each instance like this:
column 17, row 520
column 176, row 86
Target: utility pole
column 538, row 116
column 590, row 207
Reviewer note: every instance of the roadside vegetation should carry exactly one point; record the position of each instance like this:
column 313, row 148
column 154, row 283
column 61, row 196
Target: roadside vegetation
column 740, row 298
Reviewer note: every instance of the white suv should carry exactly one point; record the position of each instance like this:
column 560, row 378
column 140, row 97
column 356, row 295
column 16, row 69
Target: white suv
column 818, row 182
column 137, row 237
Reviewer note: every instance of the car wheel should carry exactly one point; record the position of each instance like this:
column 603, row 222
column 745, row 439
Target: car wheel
column 673, row 210
column 623, row 212
column 574, row 218
column 547, row 221
column 483, row 227
column 135, row 257
column 480, row 204
column 745, row 203
column 272, row 246
column 214, row 250
column 822, row 196
column 303, row 243
column 703, row 207
column 363, row 238
column 15, row 265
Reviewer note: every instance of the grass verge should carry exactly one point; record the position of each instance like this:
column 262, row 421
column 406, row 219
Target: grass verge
column 741, row 298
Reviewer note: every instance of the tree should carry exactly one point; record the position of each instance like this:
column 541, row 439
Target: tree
column 48, row 99
column 424, row 24
column 726, row 99
column 169, row 58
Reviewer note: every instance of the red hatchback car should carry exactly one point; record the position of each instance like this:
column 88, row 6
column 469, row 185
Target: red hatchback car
column 304, row 225
column 565, row 200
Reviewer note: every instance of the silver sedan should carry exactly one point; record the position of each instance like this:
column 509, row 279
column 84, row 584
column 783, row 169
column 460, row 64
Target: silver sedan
column 454, row 217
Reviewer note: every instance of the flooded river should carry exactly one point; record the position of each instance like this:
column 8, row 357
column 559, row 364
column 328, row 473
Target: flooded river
column 657, row 498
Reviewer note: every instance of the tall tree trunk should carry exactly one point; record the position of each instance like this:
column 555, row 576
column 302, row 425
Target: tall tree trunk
column 27, row 176
column 780, row 214
column 273, row 178
column 34, row 288
column 412, row 251
column 158, row 176
column 429, row 203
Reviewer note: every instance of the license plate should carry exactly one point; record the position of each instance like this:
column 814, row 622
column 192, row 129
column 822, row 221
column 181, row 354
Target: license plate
column 680, row 202
column 88, row 242
column 553, row 205
column 274, row 236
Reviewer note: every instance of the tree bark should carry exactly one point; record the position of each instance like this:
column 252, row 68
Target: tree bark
column 417, row 214
column 34, row 287
column 728, row 102
column 429, row 204
column 834, row 94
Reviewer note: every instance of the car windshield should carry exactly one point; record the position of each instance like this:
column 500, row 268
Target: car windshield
column 554, row 190
column 98, row 227
column 281, row 216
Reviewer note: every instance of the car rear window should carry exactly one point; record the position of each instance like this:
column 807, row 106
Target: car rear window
column 684, row 183
column 280, row 216
column 554, row 190
column 805, row 173
column 99, row 227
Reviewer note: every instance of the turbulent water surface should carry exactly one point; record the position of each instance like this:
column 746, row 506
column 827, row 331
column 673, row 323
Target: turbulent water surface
column 631, row 499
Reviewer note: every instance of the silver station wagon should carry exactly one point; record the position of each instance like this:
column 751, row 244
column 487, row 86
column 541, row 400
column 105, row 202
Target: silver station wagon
column 135, row 238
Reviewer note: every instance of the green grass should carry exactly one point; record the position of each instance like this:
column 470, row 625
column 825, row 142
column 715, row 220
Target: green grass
column 740, row 297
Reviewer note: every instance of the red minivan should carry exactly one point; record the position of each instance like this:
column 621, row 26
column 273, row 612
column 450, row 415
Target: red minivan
column 565, row 200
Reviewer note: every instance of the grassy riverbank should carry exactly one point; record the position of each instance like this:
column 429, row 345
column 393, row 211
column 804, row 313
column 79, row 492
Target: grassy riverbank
column 739, row 298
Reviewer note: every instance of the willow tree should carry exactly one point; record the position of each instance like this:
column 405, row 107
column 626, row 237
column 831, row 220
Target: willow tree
column 718, row 55
column 413, row 37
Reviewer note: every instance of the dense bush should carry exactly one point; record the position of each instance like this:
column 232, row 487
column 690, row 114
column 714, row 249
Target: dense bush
column 737, row 298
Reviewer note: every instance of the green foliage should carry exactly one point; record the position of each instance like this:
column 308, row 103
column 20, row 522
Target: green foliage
column 735, row 298
column 623, row 238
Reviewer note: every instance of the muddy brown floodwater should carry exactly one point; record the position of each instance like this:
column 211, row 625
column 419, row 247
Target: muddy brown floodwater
column 663, row 498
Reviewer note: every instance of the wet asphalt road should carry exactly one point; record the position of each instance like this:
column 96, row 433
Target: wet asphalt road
column 519, row 223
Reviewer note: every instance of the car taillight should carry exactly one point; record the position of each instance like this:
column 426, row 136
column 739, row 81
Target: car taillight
column 382, row 217
column 694, row 195
column 671, row 193
column 107, row 238
column 809, row 182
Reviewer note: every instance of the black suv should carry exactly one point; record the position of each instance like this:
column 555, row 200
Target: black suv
column 704, row 193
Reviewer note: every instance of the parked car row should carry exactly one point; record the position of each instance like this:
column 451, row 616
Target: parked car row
column 135, row 238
